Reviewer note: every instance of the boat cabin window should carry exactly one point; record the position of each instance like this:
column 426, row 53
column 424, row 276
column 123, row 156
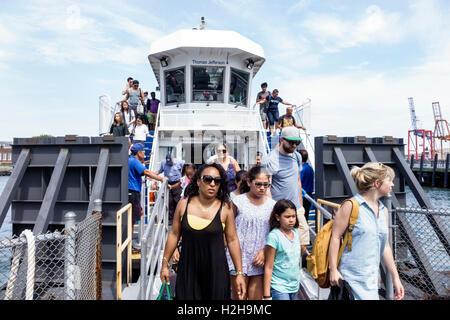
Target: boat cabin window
column 207, row 84
column 239, row 87
column 175, row 86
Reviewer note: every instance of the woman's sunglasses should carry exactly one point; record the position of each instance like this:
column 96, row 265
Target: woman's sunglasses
column 261, row 184
column 222, row 151
column 208, row 179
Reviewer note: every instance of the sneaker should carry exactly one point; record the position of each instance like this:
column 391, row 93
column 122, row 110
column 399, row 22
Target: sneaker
column 135, row 251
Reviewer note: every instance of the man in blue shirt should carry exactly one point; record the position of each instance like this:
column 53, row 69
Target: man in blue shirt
column 172, row 170
column 285, row 164
column 272, row 110
column 307, row 178
column 135, row 172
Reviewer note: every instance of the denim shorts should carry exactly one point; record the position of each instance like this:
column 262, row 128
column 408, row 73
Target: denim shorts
column 273, row 116
column 277, row 295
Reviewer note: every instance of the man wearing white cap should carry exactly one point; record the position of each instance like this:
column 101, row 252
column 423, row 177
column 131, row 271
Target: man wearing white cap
column 285, row 164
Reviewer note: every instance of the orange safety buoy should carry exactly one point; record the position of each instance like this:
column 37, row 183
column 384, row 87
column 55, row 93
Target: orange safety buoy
column 152, row 192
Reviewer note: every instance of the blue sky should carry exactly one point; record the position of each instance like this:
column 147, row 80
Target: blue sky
column 358, row 61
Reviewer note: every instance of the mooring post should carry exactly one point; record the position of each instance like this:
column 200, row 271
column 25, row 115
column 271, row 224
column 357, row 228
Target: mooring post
column 70, row 251
column 97, row 209
column 447, row 162
column 388, row 281
column 421, row 168
column 433, row 177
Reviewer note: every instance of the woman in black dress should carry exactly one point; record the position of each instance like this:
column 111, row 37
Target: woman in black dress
column 202, row 219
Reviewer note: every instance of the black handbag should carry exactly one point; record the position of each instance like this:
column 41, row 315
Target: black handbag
column 341, row 292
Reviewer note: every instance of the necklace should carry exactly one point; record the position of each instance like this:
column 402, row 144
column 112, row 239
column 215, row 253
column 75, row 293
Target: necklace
column 205, row 210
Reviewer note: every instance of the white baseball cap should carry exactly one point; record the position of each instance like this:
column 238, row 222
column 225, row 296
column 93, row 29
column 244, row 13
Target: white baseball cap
column 291, row 133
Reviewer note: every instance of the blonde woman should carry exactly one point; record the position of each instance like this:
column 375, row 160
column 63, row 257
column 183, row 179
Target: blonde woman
column 370, row 243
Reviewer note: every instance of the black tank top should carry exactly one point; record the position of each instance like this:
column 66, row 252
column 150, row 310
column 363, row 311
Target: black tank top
column 203, row 269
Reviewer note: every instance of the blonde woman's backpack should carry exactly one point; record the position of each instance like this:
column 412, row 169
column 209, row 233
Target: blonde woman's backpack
column 317, row 261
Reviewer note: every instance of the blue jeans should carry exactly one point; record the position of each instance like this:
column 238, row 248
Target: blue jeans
column 277, row 295
column 273, row 116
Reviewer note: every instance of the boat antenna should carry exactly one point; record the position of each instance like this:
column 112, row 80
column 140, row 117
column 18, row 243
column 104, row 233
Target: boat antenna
column 203, row 24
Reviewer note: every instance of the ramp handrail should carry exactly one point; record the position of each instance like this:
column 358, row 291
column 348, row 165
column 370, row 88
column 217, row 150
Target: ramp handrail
column 262, row 131
column 120, row 247
column 296, row 112
column 153, row 241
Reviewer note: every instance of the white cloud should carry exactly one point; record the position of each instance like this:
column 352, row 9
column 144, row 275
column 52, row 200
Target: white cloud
column 60, row 33
column 374, row 26
column 5, row 35
column 299, row 6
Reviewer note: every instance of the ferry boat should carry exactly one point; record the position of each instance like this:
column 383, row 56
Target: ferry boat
column 205, row 79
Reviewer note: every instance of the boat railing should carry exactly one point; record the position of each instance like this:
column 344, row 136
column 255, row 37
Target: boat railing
column 121, row 246
column 299, row 113
column 262, row 130
column 152, row 243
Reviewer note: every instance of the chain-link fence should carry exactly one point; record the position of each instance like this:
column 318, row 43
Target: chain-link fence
column 53, row 266
column 421, row 251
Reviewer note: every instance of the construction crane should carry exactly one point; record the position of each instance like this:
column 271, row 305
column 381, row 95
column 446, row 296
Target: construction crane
column 441, row 129
column 412, row 111
column 418, row 139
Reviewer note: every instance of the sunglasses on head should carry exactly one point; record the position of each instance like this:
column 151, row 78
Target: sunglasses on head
column 208, row 179
column 261, row 184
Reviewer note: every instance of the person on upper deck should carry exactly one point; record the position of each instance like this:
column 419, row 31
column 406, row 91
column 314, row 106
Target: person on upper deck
column 128, row 85
column 140, row 131
column 134, row 96
column 152, row 107
column 228, row 163
column 118, row 127
column 128, row 115
column 203, row 219
column 272, row 111
column 370, row 235
column 263, row 104
column 287, row 120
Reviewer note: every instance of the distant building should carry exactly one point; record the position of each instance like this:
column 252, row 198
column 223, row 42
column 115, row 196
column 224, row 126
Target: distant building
column 5, row 153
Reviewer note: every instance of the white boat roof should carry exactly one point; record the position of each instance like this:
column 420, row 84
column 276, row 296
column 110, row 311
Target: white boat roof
column 217, row 42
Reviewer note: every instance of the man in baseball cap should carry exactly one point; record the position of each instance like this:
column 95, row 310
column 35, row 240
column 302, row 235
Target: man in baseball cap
column 285, row 164
column 291, row 133
column 135, row 170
